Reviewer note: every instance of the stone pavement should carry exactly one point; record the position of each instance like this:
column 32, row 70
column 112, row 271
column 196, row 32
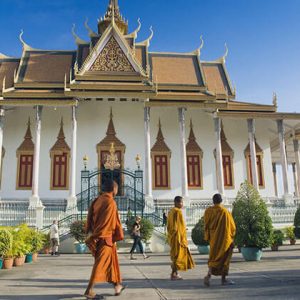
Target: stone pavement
column 277, row 276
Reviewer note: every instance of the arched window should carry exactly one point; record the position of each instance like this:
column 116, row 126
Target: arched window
column 259, row 163
column 161, row 155
column 194, row 162
column 60, row 156
column 25, row 154
column 227, row 162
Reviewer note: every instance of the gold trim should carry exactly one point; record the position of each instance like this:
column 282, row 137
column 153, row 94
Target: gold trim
column 153, row 155
column 59, row 152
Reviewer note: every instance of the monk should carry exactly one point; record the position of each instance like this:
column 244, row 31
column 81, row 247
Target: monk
column 104, row 230
column 219, row 232
column 180, row 254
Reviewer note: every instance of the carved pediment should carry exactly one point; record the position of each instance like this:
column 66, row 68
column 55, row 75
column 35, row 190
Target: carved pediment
column 112, row 59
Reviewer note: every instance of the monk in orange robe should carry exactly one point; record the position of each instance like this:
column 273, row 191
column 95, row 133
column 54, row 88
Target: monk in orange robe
column 220, row 232
column 177, row 239
column 104, row 230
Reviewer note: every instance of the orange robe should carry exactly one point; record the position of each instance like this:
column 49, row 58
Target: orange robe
column 180, row 254
column 105, row 229
column 219, row 231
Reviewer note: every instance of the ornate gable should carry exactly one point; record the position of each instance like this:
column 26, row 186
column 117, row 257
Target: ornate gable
column 192, row 145
column 27, row 145
column 160, row 144
column 112, row 59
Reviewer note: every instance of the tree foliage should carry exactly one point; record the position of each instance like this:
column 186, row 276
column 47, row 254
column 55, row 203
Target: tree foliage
column 297, row 223
column 198, row 233
column 251, row 216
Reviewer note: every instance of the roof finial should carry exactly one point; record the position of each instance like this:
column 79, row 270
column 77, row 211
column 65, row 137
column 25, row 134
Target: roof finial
column 25, row 46
column 275, row 99
column 90, row 31
column 78, row 40
column 226, row 53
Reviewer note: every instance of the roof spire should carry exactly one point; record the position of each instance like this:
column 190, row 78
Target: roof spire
column 113, row 15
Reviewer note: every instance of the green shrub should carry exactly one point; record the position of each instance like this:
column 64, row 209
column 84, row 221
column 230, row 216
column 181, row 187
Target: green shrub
column 297, row 224
column 289, row 232
column 146, row 228
column 6, row 240
column 198, row 233
column 47, row 242
column 251, row 216
column 77, row 230
column 277, row 238
column 21, row 245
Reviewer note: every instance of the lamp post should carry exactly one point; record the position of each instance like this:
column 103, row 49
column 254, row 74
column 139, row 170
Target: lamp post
column 85, row 161
column 138, row 161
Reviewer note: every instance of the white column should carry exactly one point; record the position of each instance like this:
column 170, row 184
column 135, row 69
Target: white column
column 287, row 196
column 1, row 136
column 72, row 199
column 184, row 175
column 275, row 179
column 295, row 176
column 251, row 132
column 297, row 159
column 148, row 165
column 219, row 159
column 34, row 201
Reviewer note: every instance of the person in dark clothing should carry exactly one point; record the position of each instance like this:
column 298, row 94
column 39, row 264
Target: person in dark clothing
column 165, row 218
column 136, row 234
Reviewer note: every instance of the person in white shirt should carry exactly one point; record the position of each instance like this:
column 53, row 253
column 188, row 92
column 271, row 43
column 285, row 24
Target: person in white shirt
column 54, row 238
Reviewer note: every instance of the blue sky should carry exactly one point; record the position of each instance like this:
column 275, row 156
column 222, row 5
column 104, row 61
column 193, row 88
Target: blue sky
column 262, row 35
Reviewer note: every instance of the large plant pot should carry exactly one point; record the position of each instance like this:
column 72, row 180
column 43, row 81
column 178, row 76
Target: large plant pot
column 34, row 257
column 46, row 250
column 251, row 253
column 80, row 248
column 8, row 263
column 274, row 247
column 293, row 242
column 28, row 259
column 203, row 249
column 19, row 261
column 1, row 263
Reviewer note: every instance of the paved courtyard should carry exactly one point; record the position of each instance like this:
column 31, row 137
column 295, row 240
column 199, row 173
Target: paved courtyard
column 277, row 276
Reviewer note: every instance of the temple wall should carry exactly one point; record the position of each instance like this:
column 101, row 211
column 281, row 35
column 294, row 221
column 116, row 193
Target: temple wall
column 128, row 119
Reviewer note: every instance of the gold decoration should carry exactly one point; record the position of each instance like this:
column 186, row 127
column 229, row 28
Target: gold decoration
column 112, row 161
column 112, row 59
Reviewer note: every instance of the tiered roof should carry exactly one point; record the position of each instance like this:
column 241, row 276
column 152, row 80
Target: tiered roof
column 114, row 64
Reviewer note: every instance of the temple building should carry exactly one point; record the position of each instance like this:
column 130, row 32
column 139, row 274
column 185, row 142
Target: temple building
column 63, row 111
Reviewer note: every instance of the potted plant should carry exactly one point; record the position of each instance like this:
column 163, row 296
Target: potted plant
column 276, row 239
column 198, row 233
column 290, row 234
column 6, row 240
column 253, row 223
column 47, row 243
column 37, row 244
column 297, row 223
column 77, row 230
column 19, row 246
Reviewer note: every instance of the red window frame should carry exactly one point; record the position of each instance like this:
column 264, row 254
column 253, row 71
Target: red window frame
column 227, row 170
column 194, row 170
column 60, row 170
column 259, row 170
column 161, row 168
column 25, row 171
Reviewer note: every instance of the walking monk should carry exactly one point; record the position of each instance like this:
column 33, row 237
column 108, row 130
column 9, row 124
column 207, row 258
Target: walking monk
column 220, row 232
column 180, row 254
column 104, row 229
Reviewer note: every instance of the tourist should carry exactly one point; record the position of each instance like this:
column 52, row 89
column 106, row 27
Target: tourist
column 54, row 238
column 180, row 254
column 136, row 234
column 104, row 230
column 219, row 231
